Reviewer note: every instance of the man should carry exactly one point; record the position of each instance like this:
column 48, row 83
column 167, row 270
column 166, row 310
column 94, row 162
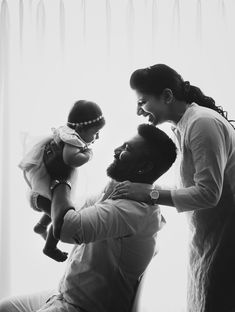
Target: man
column 114, row 239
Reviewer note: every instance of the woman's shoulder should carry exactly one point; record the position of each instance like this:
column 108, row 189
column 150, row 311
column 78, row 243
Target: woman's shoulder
column 203, row 116
column 207, row 125
column 202, row 112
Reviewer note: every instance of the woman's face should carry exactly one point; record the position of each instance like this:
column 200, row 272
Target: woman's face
column 153, row 107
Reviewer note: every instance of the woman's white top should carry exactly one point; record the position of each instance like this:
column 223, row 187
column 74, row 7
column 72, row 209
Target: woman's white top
column 207, row 145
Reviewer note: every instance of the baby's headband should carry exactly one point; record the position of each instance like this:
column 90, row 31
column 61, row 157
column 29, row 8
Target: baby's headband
column 88, row 122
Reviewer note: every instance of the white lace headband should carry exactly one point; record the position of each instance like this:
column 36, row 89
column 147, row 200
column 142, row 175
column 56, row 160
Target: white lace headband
column 85, row 122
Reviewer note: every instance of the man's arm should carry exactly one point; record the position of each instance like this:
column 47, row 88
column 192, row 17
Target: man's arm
column 107, row 219
column 61, row 203
column 58, row 171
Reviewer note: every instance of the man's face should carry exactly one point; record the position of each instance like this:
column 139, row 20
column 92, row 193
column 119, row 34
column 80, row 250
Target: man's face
column 128, row 160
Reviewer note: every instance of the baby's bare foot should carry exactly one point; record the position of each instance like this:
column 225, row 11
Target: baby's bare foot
column 55, row 254
column 41, row 229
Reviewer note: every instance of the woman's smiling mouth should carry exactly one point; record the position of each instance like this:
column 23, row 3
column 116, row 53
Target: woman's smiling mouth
column 151, row 118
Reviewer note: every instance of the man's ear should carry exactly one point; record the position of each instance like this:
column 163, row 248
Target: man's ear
column 168, row 96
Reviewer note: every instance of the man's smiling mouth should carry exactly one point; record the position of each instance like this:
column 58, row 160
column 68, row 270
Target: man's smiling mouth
column 151, row 118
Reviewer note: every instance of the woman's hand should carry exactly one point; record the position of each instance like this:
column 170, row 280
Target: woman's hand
column 135, row 191
column 53, row 160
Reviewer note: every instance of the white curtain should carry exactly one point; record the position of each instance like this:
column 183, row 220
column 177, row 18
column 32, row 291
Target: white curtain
column 53, row 53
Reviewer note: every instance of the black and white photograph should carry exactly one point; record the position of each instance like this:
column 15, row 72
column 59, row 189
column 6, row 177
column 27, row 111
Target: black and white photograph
column 117, row 156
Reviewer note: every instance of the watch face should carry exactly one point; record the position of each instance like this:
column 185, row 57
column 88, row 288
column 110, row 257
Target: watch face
column 154, row 194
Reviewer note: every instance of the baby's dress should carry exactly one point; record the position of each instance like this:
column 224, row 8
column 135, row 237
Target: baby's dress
column 32, row 164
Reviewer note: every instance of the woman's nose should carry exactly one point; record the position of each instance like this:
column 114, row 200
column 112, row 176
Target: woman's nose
column 140, row 111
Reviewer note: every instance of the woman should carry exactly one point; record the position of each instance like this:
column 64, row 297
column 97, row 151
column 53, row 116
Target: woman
column 207, row 144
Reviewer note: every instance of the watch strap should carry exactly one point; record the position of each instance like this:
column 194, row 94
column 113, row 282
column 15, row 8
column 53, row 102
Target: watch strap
column 57, row 182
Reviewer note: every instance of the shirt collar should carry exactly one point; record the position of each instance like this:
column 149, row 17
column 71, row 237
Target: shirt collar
column 181, row 124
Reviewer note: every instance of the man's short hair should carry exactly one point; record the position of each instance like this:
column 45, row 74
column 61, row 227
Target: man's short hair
column 162, row 150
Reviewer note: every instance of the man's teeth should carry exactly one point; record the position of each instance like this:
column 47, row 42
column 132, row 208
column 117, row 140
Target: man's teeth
column 150, row 118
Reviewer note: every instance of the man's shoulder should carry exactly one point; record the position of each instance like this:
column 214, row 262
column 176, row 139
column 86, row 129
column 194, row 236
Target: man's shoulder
column 139, row 211
column 130, row 206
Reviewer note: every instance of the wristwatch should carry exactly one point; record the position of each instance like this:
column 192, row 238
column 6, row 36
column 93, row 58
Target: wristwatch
column 55, row 183
column 154, row 195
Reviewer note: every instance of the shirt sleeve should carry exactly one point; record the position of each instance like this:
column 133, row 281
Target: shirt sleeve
column 207, row 143
column 108, row 219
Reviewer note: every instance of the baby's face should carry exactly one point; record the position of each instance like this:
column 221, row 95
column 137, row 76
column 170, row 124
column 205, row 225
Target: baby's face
column 91, row 134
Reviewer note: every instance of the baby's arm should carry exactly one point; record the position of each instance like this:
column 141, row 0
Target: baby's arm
column 74, row 156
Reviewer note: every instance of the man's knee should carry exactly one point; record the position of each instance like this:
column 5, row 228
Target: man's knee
column 6, row 305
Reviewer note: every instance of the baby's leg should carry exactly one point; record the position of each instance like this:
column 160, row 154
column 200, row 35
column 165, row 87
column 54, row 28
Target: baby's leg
column 51, row 249
column 44, row 204
column 41, row 226
column 41, row 203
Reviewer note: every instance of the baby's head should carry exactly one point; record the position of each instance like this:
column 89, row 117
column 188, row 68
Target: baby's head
column 86, row 119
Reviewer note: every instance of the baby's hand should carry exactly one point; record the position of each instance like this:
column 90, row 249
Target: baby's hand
column 88, row 152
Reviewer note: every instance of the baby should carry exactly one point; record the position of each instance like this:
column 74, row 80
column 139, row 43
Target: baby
column 85, row 120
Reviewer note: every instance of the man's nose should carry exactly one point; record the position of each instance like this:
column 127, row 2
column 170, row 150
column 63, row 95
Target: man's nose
column 97, row 136
column 117, row 151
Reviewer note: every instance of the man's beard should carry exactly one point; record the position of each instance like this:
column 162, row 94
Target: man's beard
column 117, row 172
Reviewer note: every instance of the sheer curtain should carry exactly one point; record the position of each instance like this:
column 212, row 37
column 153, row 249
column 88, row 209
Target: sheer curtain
column 53, row 53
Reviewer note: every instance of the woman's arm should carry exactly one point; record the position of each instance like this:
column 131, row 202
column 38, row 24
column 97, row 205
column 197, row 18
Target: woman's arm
column 141, row 192
column 206, row 140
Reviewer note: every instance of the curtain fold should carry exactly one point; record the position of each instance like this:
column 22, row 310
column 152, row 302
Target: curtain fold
column 199, row 21
column 130, row 20
column 62, row 27
column 5, row 125
column 176, row 22
column 21, row 23
column 41, row 25
column 84, row 27
column 154, row 27
column 108, row 29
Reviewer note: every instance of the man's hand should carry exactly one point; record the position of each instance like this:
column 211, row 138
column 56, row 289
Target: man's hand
column 53, row 160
